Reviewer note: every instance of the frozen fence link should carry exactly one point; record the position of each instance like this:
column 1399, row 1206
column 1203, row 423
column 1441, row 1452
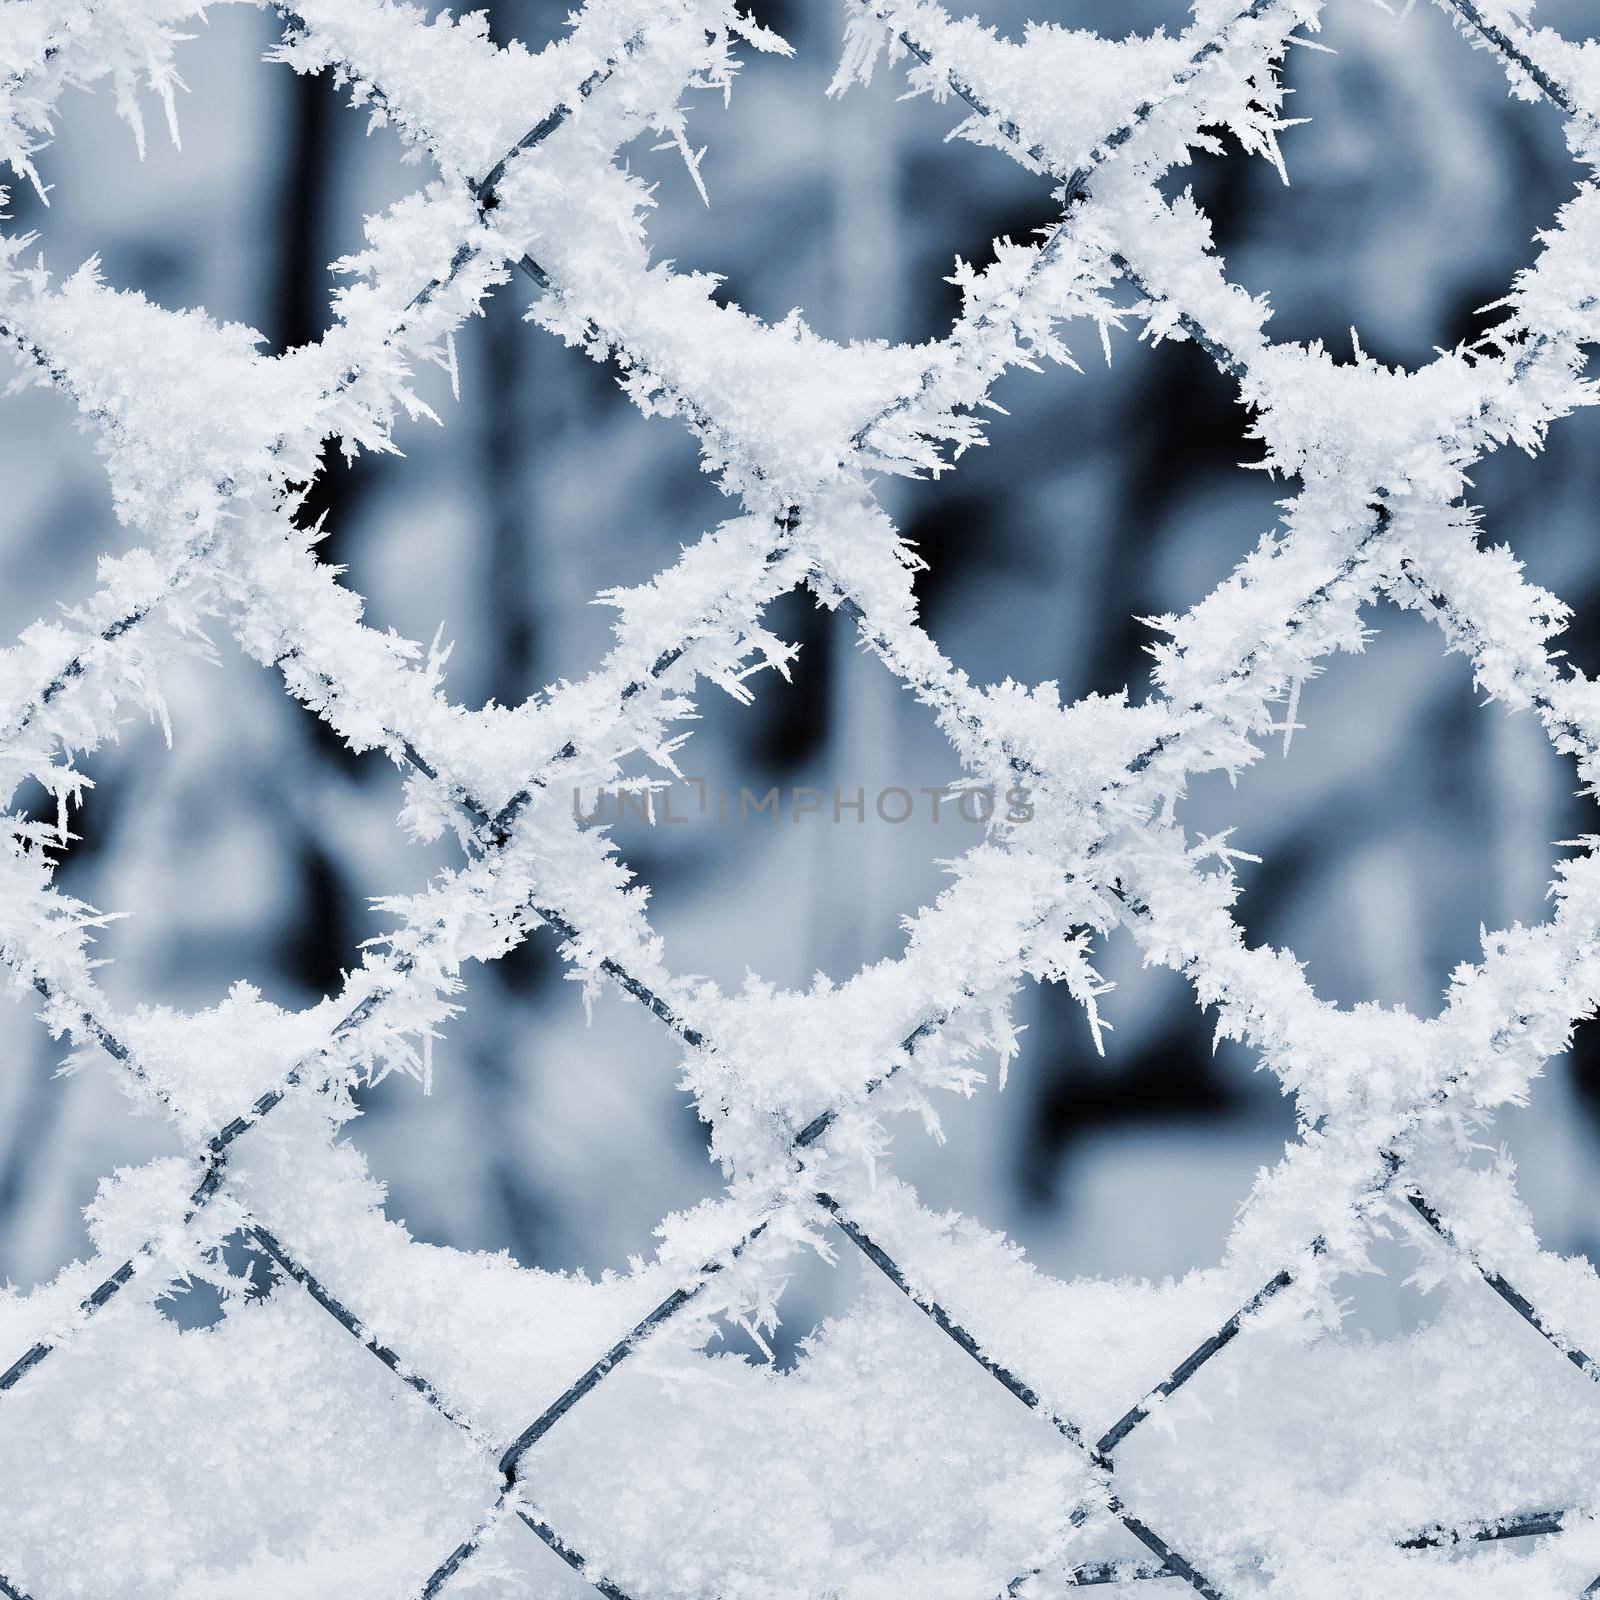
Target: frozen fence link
column 405, row 1479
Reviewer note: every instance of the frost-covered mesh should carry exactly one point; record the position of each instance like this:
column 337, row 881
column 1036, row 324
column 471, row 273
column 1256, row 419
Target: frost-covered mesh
column 972, row 1427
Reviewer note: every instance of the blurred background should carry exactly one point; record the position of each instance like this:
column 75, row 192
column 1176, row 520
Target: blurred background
column 1405, row 816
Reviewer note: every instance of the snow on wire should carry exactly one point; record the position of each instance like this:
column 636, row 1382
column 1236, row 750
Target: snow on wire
column 590, row 1413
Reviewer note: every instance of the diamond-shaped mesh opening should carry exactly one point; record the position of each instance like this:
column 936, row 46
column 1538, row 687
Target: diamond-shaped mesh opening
column 1133, row 504
column 1406, row 232
column 1552, row 1144
column 50, row 515
column 1371, row 829
column 205, row 892
column 1132, row 1163
column 838, row 764
column 542, row 471
column 1546, row 520
column 329, row 171
column 109, row 206
column 213, row 872
column 530, row 1101
column 63, row 1133
column 872, row 209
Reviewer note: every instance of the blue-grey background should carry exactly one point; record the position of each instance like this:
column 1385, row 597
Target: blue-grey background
column 1405, row 816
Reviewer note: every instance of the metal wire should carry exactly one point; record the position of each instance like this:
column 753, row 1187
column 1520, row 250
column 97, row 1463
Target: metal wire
column 494, row 830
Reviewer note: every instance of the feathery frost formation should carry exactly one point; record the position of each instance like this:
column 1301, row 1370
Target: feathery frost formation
column 272, row 1454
